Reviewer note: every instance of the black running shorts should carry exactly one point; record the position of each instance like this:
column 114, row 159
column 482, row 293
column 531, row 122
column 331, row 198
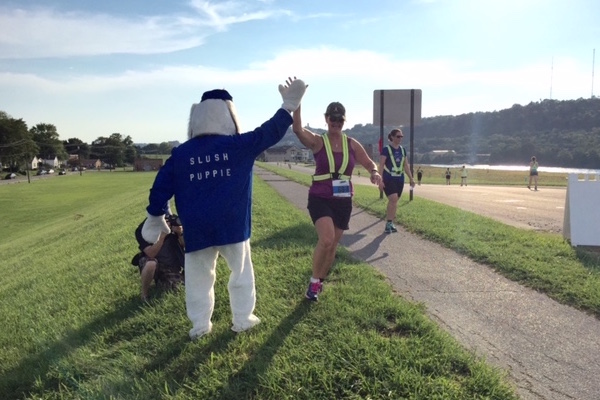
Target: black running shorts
column 338, row 209
column 393, row 185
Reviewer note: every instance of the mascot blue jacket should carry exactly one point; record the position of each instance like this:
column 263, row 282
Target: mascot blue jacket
column 210, row 178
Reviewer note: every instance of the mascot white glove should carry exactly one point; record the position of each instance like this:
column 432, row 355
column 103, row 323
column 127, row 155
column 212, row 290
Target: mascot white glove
column 292, row 94
column 153, row 227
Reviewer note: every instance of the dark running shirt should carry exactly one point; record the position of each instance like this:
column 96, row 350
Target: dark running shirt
column 170, row 254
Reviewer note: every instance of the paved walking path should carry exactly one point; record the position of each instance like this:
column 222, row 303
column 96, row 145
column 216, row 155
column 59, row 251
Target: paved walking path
column 549, row 350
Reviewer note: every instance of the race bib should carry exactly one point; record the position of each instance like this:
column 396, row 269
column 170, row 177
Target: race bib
column 341, row 188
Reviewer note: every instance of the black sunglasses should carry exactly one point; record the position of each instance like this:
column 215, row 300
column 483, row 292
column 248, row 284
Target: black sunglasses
column 336, row 119
column 399, row 136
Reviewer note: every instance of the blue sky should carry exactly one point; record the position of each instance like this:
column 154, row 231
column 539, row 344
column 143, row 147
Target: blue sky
column 93, row 68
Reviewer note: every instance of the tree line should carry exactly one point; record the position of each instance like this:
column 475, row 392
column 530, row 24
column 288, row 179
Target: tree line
column 20, row 144
column 559, row 133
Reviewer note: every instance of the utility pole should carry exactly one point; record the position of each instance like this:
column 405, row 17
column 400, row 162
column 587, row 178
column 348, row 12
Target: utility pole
column 79, row 159
column 27, row 166
column 551, row 76
column 593, row 61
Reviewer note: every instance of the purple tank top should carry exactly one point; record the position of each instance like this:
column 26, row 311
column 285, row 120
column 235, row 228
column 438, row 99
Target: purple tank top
column 324, row 188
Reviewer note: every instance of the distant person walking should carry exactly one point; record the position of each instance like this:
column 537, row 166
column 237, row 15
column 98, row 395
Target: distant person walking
column 463, row 176
column 533, row 173
column 419, row 175
column 448, row 176
column 394, row 164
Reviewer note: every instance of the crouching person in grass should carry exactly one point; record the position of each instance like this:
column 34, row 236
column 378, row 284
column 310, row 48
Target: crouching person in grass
column 162, row 261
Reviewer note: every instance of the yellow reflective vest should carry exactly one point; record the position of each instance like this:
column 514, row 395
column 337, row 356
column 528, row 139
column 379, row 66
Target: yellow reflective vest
column 345, row 156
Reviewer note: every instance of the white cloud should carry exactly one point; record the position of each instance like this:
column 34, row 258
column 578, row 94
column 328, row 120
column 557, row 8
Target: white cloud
column 346, row 69
column 221, row 15
column 146, row 103
column 44, row 32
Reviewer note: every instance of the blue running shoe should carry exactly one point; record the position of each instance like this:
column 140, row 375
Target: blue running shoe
column 389, row 227
column 314, row 288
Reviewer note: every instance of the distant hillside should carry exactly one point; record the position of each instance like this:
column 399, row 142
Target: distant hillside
column 559, row 133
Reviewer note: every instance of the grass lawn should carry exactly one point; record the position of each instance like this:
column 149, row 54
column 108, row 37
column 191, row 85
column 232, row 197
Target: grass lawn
column 74, row 327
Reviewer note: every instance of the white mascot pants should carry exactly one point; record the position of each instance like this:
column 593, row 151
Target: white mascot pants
column 200, row 276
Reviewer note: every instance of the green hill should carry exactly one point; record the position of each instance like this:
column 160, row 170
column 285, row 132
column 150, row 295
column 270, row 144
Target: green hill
column 559, row 133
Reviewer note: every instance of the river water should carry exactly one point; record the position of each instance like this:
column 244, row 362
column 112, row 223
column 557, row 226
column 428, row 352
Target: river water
column 555, row 170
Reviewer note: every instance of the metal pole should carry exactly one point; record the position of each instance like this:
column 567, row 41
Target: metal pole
column 593, row 62
column 79, row 159
column 381, row 131
column 27, row 166
column 551, row 76
column 412, row 136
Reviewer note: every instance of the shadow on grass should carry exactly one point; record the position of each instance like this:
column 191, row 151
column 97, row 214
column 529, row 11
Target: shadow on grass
column 589, row 256
column 302, row 234
column 244, row 382
column 175, row 365
column 19, row 381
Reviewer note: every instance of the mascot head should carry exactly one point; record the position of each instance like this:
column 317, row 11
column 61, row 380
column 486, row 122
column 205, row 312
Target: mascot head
column 214, row 115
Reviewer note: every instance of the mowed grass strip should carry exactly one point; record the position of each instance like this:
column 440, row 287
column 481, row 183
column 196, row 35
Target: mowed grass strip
column 74, row 327
column 541, row 261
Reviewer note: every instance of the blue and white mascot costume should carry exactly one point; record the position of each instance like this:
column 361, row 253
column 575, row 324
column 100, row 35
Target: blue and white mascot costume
column 210, row 176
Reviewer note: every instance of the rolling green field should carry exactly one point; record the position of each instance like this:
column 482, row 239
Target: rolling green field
column 75, row 328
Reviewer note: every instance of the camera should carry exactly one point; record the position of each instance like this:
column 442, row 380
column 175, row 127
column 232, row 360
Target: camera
column 173, row 220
